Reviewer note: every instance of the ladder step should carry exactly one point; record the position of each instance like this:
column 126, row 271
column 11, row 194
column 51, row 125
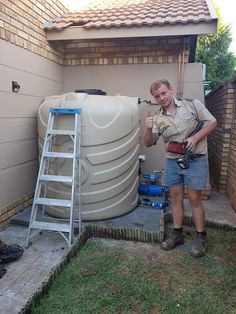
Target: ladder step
column 52, row 226
column 52, row 202
column 45, row 177
column 62, row 132
column 66, row 110
column 58, row 155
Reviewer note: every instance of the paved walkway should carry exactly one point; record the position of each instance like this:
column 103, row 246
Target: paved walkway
column 25, row 276
column 217, row 209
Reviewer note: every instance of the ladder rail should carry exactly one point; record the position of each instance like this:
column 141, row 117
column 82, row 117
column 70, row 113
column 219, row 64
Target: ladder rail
column 74, row 168
column 46, row 161
column 38, row 186
column 79, row 175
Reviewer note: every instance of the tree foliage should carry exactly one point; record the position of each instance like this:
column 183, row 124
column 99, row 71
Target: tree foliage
column 213, row 51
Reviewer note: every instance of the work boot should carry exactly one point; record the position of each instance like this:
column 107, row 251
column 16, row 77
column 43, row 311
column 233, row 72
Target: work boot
column 199, row 245
column 9, row 253
column 174, row 239
column 2, row 272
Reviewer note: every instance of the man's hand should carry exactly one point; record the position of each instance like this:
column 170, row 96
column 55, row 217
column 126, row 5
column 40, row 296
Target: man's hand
column 191, row 143
column 148, row 141
column 149, row 121
column 203, row 132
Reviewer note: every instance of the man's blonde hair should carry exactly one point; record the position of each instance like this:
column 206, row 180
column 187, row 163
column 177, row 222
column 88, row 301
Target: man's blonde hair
column 158, row 84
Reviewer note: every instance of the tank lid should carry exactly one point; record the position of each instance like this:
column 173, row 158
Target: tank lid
column 91, row 91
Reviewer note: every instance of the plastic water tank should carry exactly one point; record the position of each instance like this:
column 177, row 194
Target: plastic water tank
column 110, row 147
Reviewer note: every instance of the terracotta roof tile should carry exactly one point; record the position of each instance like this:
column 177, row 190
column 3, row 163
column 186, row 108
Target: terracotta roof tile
column 117, row 13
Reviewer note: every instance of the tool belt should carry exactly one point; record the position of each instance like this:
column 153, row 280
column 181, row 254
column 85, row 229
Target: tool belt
column 195, row 156
column 183, row 162
column 176, row 147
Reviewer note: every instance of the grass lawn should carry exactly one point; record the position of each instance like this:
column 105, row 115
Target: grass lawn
column 110, row 276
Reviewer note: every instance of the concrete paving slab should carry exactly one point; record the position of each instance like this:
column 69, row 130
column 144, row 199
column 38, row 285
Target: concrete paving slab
column 217, row 209
column 143, row 216
column 24, row 276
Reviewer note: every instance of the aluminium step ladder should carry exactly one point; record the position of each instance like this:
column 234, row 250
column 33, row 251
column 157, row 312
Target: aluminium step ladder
column 45, row 176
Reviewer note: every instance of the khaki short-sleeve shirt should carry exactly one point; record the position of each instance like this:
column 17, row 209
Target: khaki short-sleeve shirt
column 178, row 126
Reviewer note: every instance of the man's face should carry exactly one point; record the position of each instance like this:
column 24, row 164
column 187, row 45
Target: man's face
column 163, row 96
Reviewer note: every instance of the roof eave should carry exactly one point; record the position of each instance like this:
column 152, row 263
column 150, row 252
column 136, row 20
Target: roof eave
column 77, row 32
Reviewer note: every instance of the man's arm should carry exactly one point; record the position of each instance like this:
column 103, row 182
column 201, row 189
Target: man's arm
column 206, row 130
column 148, row 140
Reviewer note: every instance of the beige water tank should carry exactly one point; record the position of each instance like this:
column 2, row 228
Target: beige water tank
column 109, row 150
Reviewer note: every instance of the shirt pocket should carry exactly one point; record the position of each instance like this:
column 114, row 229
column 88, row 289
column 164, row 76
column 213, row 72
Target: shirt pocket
column 187, row 116
column 186, row 123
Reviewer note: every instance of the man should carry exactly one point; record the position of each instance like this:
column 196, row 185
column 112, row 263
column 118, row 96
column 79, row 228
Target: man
column 186, row 158
column 9, row 253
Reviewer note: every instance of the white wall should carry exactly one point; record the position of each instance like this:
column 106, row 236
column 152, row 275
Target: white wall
column 38, row 78
column 135, row 80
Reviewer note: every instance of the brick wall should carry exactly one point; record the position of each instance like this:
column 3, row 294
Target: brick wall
column 8, row 211
column 222, row 142
column 21, row 23
column 124, row 51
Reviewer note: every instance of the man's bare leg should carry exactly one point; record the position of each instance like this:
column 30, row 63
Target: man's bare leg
column 197, row 209
column 177, row 197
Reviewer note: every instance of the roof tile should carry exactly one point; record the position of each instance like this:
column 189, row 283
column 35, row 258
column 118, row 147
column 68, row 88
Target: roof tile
column 117, row 13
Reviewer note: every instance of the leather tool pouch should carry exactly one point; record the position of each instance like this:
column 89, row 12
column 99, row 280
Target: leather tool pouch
column 176, row 147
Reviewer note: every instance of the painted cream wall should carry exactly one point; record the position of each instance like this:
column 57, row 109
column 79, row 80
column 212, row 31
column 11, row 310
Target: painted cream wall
column 134, row 80
column 38, row 77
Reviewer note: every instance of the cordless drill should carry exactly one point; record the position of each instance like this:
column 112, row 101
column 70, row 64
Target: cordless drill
column 183, row 162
